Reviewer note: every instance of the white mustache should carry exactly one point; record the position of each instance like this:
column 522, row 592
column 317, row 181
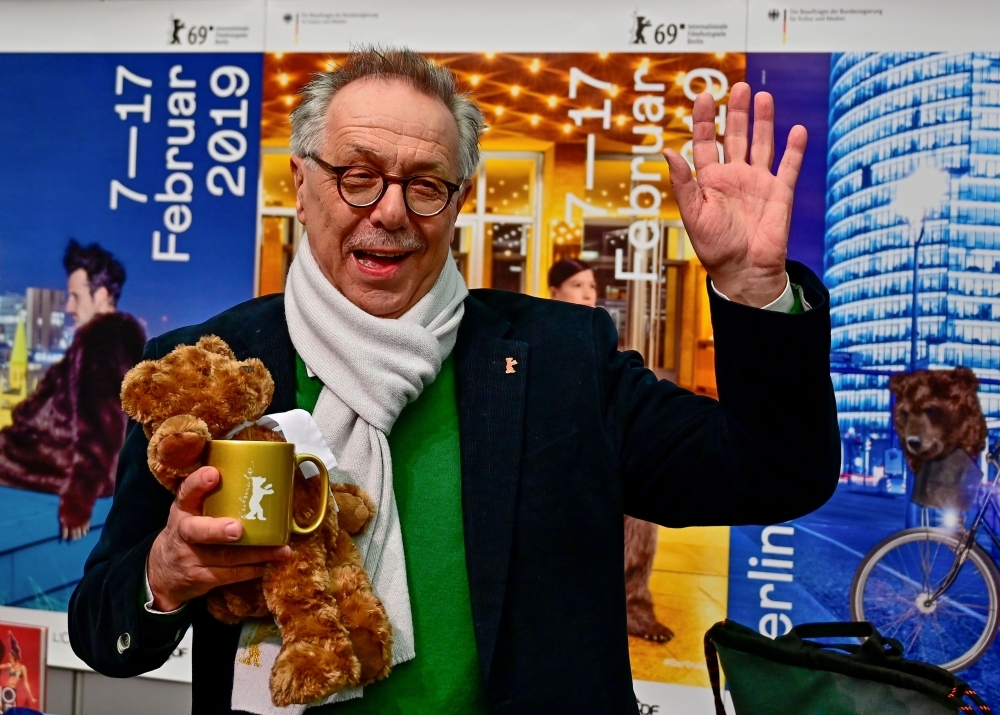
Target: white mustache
column 367, row 239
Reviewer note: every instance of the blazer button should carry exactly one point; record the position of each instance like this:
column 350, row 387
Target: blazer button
column 124, row 641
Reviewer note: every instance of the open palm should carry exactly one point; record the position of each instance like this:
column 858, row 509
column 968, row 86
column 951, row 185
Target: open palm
column 737, row 214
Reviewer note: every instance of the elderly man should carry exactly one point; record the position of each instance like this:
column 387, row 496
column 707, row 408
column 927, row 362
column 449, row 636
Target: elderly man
column 504, row 437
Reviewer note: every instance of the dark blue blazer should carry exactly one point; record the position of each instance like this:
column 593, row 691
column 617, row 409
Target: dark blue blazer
column 552, row 456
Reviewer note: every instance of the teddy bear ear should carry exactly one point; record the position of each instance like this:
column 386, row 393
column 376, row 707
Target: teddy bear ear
column 897, row 383
column 215, row 344
column 264, row 384
column 135, row 387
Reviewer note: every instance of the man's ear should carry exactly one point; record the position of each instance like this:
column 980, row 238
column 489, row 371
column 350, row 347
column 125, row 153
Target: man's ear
column 299, row 168
column 103, row 301
column 463, row 195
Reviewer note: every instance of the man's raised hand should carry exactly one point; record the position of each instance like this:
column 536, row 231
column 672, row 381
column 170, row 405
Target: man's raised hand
column 737, row 214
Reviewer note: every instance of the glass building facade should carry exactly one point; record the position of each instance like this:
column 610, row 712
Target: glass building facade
column 891, row 113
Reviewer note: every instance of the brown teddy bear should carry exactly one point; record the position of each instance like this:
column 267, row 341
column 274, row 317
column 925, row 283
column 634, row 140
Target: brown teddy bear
column 937, row 411
column 335, row 631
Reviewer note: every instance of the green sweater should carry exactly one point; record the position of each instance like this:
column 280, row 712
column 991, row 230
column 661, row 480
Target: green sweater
column 444, row 678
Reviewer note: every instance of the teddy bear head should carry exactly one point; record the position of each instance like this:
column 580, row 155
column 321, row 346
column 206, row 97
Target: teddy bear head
column 204, row 380
column 937, row 411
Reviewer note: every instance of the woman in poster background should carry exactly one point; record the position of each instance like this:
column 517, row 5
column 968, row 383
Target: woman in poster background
column 14, row 677
column 573, row 281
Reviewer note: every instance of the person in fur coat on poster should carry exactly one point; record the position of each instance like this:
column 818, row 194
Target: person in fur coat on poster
column 66, row 434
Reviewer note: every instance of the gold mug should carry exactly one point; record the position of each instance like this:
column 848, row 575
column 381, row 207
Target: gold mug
column 255, row 486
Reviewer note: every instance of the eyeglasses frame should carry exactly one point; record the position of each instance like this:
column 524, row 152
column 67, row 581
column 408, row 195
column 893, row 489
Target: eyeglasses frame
column 387, row 181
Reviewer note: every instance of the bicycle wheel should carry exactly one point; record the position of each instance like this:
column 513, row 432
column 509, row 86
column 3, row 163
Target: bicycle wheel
column 892, row 584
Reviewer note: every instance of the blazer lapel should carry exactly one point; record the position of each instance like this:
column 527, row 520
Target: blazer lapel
column 265, row 336
column 491, row 378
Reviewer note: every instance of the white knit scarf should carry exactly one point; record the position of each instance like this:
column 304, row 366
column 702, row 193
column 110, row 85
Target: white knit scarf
column 371, row 368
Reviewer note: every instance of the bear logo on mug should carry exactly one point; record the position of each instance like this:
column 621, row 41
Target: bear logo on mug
column 260, row 490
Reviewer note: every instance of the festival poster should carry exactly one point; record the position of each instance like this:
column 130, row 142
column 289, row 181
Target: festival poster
column 152, row 158
column 572, row 167
column 902, row 150
column 572, row 156
column 559, row 178
column 130, row 181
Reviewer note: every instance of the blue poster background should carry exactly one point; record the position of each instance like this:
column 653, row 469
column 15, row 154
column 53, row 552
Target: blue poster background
column 940, row 107
column 64, row 145
column 799, row 84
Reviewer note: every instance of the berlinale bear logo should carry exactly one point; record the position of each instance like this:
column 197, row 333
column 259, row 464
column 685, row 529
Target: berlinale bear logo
column 255, row 510
column 178, row 26
column 639, row 27
column 665, row 33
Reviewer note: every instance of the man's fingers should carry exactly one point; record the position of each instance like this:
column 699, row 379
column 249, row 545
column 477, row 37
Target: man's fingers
column 194, row 487
column 737, row 123
column 209, row 530
column 762, row 149
column 706, row 151
column 232, row 556
column 680, row 170
column 791, row 161
column 223, row 575
column 686, row 188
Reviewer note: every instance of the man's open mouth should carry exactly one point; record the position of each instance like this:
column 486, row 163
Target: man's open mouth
column 377, row 260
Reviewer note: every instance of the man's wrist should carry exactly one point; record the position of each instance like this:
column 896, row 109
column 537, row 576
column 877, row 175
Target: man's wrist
column 757, row 291
column 784, row 303
column 149, row 599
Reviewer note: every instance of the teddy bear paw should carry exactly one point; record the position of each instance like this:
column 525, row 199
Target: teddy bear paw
column 353, row 512
column 370, row 654
column 177, row 451
column 306, row 671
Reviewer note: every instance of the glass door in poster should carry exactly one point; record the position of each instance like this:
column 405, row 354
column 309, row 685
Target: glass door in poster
column 499, row 221
column 647, row 313
column 279, row 231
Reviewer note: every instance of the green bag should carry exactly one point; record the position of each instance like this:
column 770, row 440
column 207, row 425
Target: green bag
column 793, row 676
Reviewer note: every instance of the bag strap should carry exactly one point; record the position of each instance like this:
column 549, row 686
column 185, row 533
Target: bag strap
column 972, row 695
column 847, row 629
column 712, row 661
column 875, row 648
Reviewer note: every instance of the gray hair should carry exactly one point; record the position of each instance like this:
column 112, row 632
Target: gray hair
column 309, row 119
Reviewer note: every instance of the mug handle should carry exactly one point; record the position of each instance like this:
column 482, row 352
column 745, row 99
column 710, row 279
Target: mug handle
column 324, row 498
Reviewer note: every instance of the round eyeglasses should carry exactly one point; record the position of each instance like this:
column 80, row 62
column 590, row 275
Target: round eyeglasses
column 363, row 186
